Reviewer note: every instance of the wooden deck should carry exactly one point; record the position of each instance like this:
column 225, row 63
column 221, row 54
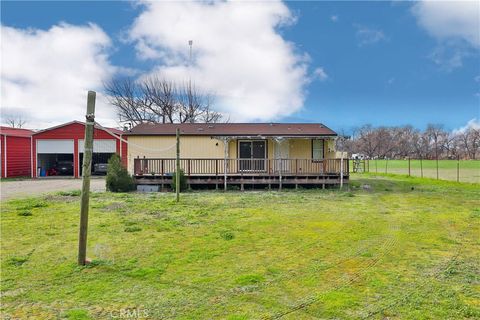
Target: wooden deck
column 271, row 173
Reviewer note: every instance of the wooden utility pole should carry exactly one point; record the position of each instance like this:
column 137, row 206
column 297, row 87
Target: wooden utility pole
column 86, row 171
column 177, row 175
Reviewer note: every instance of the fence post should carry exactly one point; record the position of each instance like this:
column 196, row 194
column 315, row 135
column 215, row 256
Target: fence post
column 386, row 166
column 421, row 167
column 409, row 171
column 458, row 168
column 376, row 166
column 436, row 160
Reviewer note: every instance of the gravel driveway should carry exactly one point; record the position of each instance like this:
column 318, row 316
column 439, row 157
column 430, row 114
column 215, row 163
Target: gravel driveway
column 27, row 188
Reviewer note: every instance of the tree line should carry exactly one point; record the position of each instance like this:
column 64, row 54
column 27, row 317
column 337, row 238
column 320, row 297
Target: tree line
column 407, row 142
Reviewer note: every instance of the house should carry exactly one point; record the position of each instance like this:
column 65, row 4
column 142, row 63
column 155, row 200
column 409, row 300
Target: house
column 58, row 151
column 270, row 154
column 15, row 152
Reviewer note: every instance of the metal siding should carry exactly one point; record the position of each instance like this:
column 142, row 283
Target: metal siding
column 18, row 153
column 55, row 146
column 300, row 149
column 2, row 156
column 190, row 147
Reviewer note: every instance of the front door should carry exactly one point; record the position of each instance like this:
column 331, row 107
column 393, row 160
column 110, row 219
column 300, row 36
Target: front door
column 252, row 154
column 282, row 151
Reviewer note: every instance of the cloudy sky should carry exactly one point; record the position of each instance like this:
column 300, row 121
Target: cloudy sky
column 341, row 63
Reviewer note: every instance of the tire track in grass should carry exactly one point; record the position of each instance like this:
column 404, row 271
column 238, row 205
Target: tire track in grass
column 342, row 281
column 292, row 275
column 342, row 260
column 435, row 274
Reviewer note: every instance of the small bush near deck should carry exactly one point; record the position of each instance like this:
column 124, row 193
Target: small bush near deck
column 118, row 178
column 183, row 181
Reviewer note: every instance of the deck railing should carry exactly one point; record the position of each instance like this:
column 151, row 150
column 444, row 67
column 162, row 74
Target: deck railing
column 215, row 167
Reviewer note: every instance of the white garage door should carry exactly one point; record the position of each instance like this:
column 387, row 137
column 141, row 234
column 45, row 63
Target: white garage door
column 54, row 146
column 100, row 146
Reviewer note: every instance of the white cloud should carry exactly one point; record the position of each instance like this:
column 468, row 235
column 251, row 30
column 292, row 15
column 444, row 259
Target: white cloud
column 45, row 74
column 450, row 19
column 450, row 55
column 238, row 53
column 334, row 18
column 477, row 78
column 320, row 74
column 391, row 81
column 473, row 124
column 367, row 36
column 455, row 25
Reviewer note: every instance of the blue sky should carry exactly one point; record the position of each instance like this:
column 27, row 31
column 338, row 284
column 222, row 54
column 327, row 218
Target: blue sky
column 383, row 63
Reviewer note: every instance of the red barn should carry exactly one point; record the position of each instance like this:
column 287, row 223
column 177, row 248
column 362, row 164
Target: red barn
column 15, row 152
column 58, row 151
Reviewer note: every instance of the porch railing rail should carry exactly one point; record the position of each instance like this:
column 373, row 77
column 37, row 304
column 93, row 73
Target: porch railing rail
column 220, row 166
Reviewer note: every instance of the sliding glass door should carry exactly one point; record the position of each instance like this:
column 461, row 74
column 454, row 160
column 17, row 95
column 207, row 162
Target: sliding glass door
column 252, row 154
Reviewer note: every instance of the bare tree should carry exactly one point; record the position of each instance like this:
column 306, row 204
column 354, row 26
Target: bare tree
column 15, row 120
column 436, row 135
column 153, row 99
column 404, row 137
column 469, row 140
column 130, row 102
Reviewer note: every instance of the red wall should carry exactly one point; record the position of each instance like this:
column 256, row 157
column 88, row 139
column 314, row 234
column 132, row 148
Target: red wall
column 74, row 131
column 2, row 155
column 18, row 154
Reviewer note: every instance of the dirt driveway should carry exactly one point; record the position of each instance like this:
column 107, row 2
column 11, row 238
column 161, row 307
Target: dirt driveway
column 27, row 188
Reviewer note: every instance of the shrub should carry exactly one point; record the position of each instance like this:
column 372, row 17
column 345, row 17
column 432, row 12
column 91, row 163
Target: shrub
column 118, row 178
column 227, row 235
column 183, row 181
column 25, row 213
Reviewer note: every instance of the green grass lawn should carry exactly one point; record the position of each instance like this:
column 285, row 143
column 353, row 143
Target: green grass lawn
column 391, row 247
column 469, row 170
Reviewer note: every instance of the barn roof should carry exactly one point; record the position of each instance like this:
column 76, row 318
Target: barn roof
column 113, row 130
column 15, row 132
column 233, row 129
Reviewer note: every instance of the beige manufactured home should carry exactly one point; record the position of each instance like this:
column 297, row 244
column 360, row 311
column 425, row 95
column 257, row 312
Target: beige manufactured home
column 237, row 153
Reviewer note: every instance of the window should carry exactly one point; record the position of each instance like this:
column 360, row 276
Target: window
column 317, row 149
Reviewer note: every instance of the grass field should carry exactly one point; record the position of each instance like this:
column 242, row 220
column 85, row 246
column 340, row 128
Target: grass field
column 391, row 247
column 469, row 170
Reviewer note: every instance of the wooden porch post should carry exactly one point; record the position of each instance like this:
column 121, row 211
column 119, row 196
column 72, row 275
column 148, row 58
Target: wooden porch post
column 341, row 170
column 225, row 150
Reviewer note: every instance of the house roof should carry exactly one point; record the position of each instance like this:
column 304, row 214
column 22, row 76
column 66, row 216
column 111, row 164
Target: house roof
column 15, row 132
column 233, row 129
column 113, row 130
